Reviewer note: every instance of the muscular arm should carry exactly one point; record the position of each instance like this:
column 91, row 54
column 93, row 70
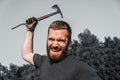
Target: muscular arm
column 27, row 50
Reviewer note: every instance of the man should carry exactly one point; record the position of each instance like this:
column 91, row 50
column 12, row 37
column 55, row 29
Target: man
column 58, row 65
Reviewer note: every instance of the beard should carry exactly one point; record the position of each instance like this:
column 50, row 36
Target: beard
column 54, row 58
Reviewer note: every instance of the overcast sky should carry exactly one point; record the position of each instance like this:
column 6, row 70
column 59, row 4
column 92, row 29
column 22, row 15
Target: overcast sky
column 101, row 17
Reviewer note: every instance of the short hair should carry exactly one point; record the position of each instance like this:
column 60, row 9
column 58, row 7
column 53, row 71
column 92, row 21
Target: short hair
column 59, row 24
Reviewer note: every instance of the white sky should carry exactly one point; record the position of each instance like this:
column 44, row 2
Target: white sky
column 101, row 17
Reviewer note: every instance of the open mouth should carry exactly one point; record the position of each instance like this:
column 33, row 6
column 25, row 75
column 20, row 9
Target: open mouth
column 55, row 50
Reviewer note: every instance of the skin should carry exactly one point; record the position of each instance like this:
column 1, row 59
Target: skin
column 57, row 43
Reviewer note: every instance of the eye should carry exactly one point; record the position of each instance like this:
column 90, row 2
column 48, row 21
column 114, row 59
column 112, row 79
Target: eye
column 63, row 41
column 50, row 39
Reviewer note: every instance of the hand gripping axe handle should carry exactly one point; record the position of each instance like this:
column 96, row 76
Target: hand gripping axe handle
column 45, row 16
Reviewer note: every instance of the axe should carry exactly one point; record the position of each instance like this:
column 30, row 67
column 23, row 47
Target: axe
column 45, row 16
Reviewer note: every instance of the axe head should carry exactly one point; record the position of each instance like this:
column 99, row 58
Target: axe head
column 58, row 10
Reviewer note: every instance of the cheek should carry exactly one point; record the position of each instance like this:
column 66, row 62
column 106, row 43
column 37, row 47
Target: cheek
column 48, row 44
column 64, row 45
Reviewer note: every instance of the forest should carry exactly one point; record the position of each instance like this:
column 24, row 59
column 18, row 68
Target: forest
column 104, row 57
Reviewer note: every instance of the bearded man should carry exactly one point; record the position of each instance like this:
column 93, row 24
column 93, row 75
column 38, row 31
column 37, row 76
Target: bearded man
column 58, row 64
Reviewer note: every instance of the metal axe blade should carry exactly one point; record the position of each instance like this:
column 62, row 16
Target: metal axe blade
column 58, row 9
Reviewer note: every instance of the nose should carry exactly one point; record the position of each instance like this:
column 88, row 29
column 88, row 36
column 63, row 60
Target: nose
column 55, row 44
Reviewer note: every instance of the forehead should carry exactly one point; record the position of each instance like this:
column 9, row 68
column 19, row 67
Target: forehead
column 58, row 33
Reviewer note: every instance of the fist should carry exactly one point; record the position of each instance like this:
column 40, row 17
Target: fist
column 31, row 24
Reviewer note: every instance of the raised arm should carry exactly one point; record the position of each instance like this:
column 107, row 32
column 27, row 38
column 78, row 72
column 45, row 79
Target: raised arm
column 27, row 50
